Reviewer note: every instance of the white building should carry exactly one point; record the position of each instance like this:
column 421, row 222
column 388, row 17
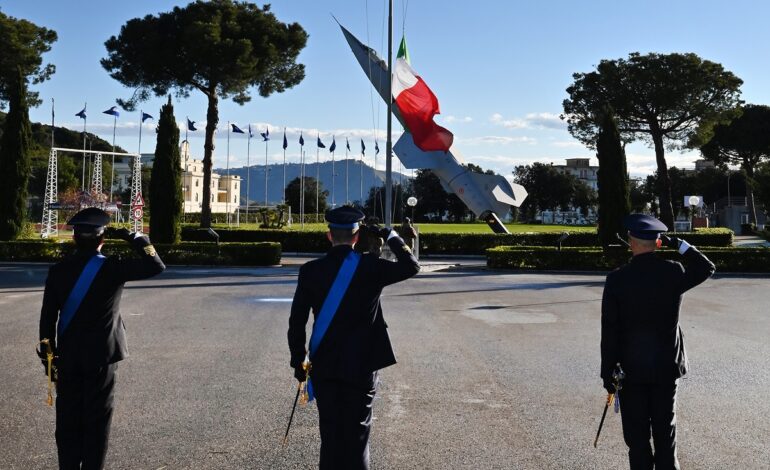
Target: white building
column 581, row 169
column 225, row 190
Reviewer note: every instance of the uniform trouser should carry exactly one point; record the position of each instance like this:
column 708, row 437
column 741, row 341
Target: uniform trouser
column 83, row 416
column 645, row 408
column 345, row 419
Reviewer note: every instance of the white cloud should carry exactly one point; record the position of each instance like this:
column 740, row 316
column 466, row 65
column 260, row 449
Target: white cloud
column 498, row 140
column 449, row 119
column 530, row 121
column 567, row 144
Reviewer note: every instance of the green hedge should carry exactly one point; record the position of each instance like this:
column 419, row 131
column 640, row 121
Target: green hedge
column 440, row 243
column 231, row 254
column 549, row 258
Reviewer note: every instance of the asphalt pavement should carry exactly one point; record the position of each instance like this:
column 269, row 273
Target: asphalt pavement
column 497, row 370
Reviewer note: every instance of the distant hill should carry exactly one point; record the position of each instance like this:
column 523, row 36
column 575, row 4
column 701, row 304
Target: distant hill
column 63, row 137
column 275, row 179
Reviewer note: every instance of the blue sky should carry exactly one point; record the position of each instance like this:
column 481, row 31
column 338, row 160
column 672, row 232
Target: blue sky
column 499, row 69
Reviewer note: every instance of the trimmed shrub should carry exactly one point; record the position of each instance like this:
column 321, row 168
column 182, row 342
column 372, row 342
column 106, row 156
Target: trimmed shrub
column 440, row 243
column 549, row 258
column 231, row 254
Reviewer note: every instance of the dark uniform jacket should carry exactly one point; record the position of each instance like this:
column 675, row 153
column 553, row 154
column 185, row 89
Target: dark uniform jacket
column 356, row 342
column 96, row 335
column 640, row 316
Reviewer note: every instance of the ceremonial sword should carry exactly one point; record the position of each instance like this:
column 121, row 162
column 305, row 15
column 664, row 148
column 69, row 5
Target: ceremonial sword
column 301, row 390
column 617, row 378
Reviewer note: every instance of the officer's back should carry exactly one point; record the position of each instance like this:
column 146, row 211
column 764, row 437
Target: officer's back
column 96, row 334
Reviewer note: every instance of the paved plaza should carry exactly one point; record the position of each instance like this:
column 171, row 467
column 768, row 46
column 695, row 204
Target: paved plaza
column 496, row 370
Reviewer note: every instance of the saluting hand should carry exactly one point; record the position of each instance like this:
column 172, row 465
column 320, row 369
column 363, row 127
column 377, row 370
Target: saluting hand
column 609, row 386
column 671, row 242
column 124, row 234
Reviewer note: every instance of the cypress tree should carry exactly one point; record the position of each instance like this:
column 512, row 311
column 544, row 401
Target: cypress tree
column 612, row 179
column 15, row 166
column 166, row 181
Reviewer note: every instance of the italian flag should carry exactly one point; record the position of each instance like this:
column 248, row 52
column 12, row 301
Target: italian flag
column 417, row 105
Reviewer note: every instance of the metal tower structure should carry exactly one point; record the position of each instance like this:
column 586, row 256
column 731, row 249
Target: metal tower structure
column 136, row 193
column 96, row 178
column 50, row 224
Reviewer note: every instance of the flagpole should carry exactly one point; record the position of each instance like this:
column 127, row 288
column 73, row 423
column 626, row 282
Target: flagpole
column 267, row 131
column 248, row 173
column 53, row 120
column 284, row 168
column 84, row 149
column 317, row 174
column 347, row 193
column 227, row 193
column 361, row 179
column 302, row 182
column 112, row 170
column 333, row 177
column 374, row 181
column 141, row 114
column 389, row 141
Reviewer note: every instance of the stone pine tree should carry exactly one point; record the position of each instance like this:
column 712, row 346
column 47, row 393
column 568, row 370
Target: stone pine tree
column 612, row 179
column 166, row 181
column 15, row 162
column 220, row 48
column 660, row 99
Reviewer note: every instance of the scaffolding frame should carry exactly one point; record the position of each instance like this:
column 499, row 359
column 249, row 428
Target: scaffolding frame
column 50, row 223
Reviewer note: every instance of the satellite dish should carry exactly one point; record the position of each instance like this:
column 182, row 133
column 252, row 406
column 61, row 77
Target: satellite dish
column 412, row 201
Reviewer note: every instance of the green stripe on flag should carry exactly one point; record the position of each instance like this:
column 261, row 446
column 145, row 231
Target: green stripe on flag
column 403, row 53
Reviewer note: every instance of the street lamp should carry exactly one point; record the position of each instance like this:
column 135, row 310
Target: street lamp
column 411, row 202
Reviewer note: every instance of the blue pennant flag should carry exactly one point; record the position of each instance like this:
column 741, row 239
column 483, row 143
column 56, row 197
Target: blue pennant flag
column 265, row 135
column 237, row 129
column 347, row 144
column 146, row 116
column 363, row 147
column 333, row 146
column 285, row 142
column 320, row 144
column 191, row 125
column 301, row 139
column 82, row 113
column 113, row 111
column 376, row 148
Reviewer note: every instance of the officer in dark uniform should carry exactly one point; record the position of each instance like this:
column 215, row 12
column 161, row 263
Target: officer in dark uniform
column 89, row 347
column 640, row 330
column 356, row 344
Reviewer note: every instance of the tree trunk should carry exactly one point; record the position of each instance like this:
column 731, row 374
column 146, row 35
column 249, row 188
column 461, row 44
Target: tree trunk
column 212, row 119
column 748, row 172
column 664, row 183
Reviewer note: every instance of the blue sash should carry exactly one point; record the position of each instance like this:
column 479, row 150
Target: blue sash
column 331, row 305
column 79, row 291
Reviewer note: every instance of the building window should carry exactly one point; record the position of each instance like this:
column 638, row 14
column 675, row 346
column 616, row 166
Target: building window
column 235, row 199
column 196, row 197
column 196, row 183
column 236, row 185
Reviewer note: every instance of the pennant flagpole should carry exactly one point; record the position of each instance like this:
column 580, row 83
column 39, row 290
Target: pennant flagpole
column 248, row 173
column 227, row 204
column 267, row 133
column 84, row 146
column 347, row 193
column 317, row 175
column 112, row 170
column 284, row 166
column 333, row 205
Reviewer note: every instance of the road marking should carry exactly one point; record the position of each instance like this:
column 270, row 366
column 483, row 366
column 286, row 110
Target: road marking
column 274, row 299
column 498, row 317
